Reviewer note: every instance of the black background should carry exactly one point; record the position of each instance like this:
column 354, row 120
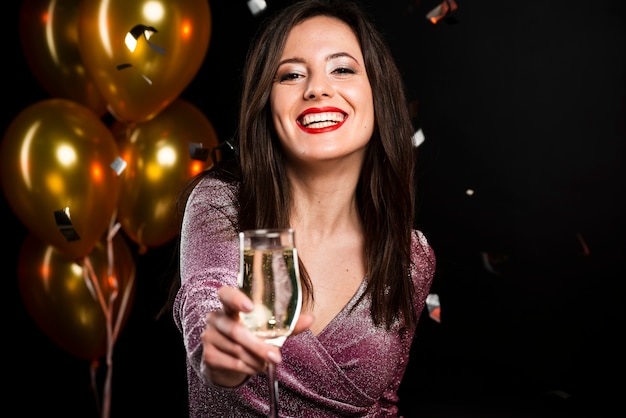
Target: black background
column 521, row 101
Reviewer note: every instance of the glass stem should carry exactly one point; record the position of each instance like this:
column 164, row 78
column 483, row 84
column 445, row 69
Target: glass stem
column 273, row 387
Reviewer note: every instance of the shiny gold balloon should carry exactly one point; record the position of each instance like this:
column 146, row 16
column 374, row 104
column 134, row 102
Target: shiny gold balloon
column 143, row 53
column 64, row 305
column 56, row 173
column 159, row 166
column 49, row 38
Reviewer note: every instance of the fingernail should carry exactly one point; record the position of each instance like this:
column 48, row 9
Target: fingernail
column 274, row 357
column 247, row 305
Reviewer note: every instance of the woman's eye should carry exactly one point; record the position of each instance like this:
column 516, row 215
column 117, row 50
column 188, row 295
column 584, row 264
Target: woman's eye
column 288, row 77
column 343, row 70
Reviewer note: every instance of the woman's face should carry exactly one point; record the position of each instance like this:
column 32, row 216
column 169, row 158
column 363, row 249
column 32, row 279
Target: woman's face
column 321, row 99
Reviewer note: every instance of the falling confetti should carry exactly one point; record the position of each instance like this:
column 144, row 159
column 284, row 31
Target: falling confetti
column 441, row 11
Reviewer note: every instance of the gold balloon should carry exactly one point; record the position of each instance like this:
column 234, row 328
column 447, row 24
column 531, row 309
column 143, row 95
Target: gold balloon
column 159, row 164
column 143, row 53
column 49, row 38
column 56, row 173
column 64, row 305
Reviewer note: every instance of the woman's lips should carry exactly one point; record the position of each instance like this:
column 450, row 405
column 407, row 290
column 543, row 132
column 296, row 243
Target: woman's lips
column 321, row 120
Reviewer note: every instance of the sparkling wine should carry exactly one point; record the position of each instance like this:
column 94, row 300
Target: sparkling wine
column 269, row 275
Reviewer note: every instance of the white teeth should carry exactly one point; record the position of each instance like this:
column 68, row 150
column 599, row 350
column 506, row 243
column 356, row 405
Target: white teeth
column 322, row 120
column 319, row 125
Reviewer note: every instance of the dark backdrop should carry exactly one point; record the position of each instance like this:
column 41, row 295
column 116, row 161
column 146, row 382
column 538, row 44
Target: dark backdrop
column 522, row 102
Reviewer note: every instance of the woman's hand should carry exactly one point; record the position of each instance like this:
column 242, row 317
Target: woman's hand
column 230, row 351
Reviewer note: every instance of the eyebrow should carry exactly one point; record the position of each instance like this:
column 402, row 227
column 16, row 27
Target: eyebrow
column 299, row 60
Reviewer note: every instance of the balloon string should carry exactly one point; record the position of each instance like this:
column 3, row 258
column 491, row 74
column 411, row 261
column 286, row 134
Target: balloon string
column 93, row 374
column 107, row 309
column 91, row 276
column 114, row 227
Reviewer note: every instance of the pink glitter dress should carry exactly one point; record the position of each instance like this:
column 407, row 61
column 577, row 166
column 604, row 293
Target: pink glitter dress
column 352, row 368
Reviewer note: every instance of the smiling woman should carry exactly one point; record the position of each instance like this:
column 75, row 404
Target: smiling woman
column 312, row 156
column 321, row 86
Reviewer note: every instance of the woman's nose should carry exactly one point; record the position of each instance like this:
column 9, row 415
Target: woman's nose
column 317, row 87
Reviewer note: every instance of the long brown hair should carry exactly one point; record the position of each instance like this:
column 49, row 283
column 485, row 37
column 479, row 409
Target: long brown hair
column 385, row 191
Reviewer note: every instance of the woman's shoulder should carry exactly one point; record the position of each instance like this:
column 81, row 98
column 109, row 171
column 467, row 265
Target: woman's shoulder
column 212, row 193
column 210, row 186
column 422, row 254
column 420, row 242
column 418, row 237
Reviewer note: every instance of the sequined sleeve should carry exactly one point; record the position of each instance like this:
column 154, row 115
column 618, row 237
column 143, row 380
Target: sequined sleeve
column 208, row 259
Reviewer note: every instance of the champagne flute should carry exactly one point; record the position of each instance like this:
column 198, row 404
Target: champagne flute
column 269, row 275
